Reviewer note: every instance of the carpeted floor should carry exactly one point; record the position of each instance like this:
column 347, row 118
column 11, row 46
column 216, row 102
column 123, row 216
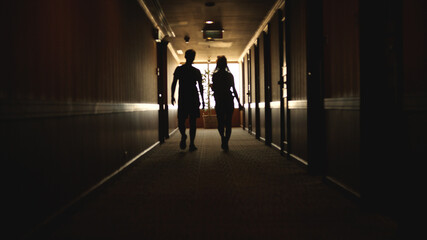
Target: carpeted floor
column 250, row 192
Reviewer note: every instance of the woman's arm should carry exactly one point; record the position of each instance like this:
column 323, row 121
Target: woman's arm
column 235, row 92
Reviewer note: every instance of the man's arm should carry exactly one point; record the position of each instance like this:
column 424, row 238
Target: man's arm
column 175, row 80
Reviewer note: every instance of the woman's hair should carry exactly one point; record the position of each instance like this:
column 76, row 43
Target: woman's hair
column 221, row 64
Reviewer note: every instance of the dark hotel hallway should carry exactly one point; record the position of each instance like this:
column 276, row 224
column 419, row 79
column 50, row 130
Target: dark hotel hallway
column 329, row 136
column 250, row 192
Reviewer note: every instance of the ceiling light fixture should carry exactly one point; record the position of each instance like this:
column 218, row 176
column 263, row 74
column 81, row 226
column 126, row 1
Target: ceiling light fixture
column 209, row 22
column 212, row 31
column 179, row 52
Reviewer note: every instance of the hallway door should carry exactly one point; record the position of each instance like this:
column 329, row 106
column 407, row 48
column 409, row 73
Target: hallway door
column 315, row 88
column 162, row 93
column 242, row 94
column 286, row 113
column 249, row 92
column 257, row 91
column 275, row 82
column 284, row 122
column 267, row 87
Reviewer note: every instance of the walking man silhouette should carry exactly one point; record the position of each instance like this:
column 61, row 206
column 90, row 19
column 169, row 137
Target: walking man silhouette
column 224, row 94
column 188, row 97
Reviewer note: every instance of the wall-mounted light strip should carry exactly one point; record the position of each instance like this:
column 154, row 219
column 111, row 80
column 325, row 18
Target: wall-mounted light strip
column 297, row 104
column 41, row 109
column 152, row 8
column 156, row 15
column 172, row 50
column 351, row 103
column 275, row 104
column 277, row 5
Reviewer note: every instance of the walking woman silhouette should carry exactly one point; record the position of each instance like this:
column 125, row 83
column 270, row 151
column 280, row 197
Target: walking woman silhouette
column 224, row 94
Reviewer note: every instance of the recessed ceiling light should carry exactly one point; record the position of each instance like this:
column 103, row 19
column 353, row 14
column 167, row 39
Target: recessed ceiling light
column 179, row 52
column 209, row 22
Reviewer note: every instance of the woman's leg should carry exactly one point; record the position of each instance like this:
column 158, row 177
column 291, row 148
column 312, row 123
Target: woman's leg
column 220, row 119
column 228, row 120
column 220, row 115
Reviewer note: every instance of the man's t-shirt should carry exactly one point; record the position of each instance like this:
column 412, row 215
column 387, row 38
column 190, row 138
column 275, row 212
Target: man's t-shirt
column 188, row 96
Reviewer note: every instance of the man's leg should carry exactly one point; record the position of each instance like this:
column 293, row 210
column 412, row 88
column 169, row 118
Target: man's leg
column 192, row 133
column 181, row 126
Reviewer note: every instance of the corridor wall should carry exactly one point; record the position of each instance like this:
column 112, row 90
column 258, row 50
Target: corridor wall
column 78, row 100
column 393, row 106
column 414, row 88
column 342, row 91
column 297, row 77
column 354, row 95
column 414, row 106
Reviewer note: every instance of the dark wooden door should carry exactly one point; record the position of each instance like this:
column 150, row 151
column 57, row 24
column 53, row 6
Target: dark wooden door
column 267, row 87
column 162, row 92
column 257, row 92
column 249, row 92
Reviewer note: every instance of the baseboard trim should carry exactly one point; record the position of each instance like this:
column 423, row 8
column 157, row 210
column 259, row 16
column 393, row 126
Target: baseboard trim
column 295, row 157
column 90, row 190
column 173, row 132
column 250, row 132
column 353, row 193
column 275, row 146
